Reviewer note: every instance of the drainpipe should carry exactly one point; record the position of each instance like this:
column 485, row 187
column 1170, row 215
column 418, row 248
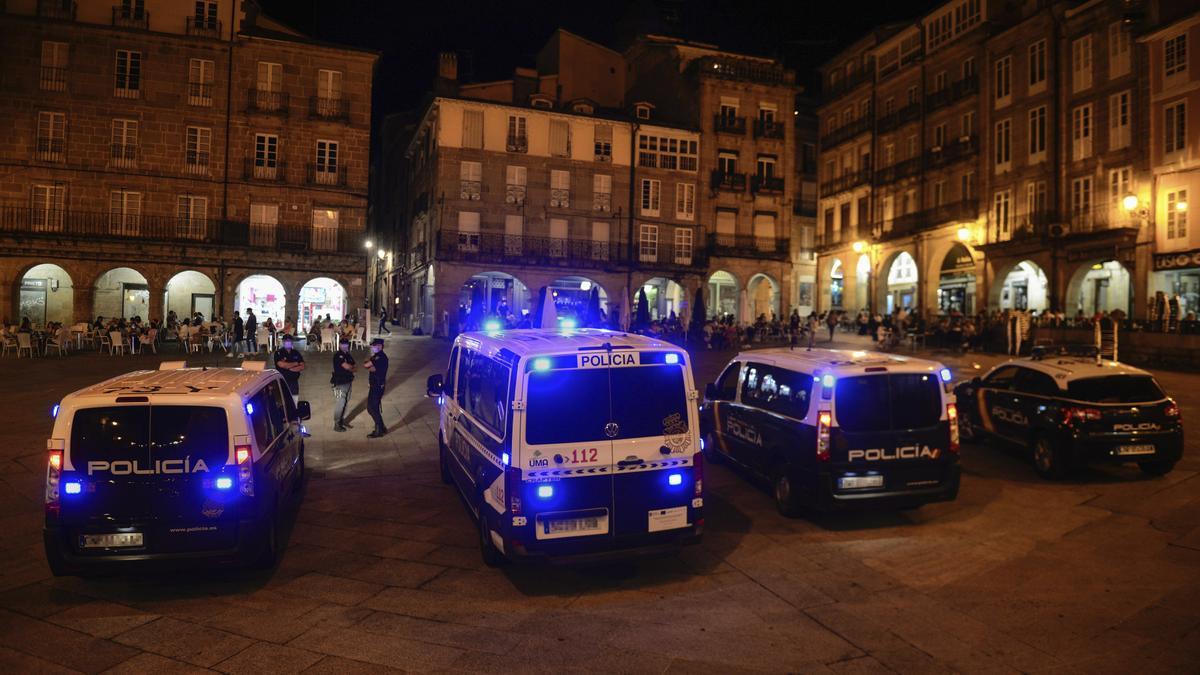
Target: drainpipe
column 632, row 197
column 1054, row 300
column 228, row 124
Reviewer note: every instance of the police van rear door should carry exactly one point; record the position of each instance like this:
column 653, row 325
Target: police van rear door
column 153, row 472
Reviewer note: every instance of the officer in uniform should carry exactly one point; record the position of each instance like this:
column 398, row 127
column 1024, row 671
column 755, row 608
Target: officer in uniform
column 342, row 379
column 377, row 365
column 290, row 363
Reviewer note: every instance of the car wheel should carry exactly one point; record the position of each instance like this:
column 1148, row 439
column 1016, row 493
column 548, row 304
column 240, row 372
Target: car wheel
column 492, row 557
column 1049, row 459
column 966, row 429
column 710, row 449
column 444, row 463
column 1161, row 468
column 784, row 490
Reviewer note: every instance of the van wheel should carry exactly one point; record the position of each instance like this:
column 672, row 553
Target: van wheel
column 1050, row 461
column 1156, row 468
column 710, row 449
column 784, row 489
column 492, row 557
column 444, row 463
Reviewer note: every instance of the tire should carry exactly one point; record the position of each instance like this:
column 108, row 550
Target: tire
column 1050, row 460
column 710, row 449
column 1159, row 468
column 444, row 463
column 492, row 557
column 783, row 489
column 966, row 429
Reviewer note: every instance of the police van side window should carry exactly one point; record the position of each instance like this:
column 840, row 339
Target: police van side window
column 751, row 382
column 792, row 397
column 483, row 390
column 260, row 420
column 448, row 385
column 275, row 407
column 726, row 385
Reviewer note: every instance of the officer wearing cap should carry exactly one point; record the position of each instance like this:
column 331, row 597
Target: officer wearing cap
column 342, row 379
column 377, row 365
column 290, row 363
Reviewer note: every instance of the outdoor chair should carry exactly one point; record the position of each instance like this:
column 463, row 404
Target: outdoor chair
column 328, row 340
column 58, row 341
column 103, row 341
column 359, row 341
column 24, row 344
column 263, row 337
column 116, row 343
column 7, row 342
column 151, row 340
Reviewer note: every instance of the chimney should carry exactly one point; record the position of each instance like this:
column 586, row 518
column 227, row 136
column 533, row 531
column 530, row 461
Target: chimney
column 448, row 66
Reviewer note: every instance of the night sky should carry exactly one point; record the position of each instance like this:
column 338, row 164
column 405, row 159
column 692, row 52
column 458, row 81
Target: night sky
column 500, row 35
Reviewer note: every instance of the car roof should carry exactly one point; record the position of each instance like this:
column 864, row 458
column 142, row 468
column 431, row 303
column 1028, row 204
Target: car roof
column 840, row 362
column 525, row 342
column 199, row 382
column 1065, row 369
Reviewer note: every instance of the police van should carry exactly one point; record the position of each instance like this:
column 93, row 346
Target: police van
column 572, row 445
column 170, row 466
column 831, row 429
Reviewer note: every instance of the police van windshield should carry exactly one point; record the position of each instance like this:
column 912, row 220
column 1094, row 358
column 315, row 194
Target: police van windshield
column 888, row 402
column 1115, row 389
column 573, row 406
column 148, row 433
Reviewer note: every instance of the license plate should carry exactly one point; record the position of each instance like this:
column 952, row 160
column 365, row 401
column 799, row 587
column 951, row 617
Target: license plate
column 116, row 540
column 572, row 525
column 1135, row 449
column 851, row 482
column 667, row 519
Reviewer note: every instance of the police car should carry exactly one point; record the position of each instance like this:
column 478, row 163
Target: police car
column 572, row 445
column 1070, row 408
column 173, row 465
column 831, row 429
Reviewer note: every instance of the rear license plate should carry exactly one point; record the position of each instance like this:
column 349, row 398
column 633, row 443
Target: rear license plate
column 852, row 482
column 1135, row 449
column 667, row 519
column 116, row 540
column 571, row 525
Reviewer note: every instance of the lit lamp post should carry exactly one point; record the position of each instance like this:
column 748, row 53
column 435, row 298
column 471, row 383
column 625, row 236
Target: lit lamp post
column 370, row 284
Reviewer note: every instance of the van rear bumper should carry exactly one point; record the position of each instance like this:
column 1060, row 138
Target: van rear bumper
column 820, row 493
column 65, row 559
column 593, row 550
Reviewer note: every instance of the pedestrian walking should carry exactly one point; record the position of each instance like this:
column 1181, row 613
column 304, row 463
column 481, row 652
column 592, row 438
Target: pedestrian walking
column 290, row 363
column 383, row 317
column 251, row 330
column 238, row 334
column 342, row 379
column 377, row 365
column 831, row 321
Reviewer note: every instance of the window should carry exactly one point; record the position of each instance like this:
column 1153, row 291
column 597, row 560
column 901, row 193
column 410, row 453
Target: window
column 123, row 150
column 197, row 149
column 470, row 176
column 726, row 385
column 1118, row 120
column 1118, row 50
column 764, row 231
column 468, row 231
column 967, row 185
column 601, row 192
column 1081, row 63
column 560, row 189
column 200, row 82
column 667, row 153
column 329, row 91
column 54, row 66
column 889, row 211
column 651, row 193
column 51, row 136
column 968, row 123
column 473, row 129
column 1037, row 66
column 728, row 111
column 327, row 163
column 1002, row 86
column 600, row 239
column 648, row 243
column 1003, row 145
column 939, row 81
column 192, row 212
column 325, row 229
column 727, row 162
column 205, row 15
column 514, row 231
column 1175, row 55
column 129, row 74
column 516, row 141
column 1176, row 219
column 766, row 166
column 727, row 225
column 1081, row 203
column 889, row 154
column 939, row 136
column 766, row 113
column 968, row 67
column 263, row 219
column 911, row 96
column 780, row 391
column 266, row 155
column 124, row 212
column 47, row 203
column 1039, row 384
column 873, row 403
column 889, row 107
column 560, row 138
column 1002, row 214
column 483, row 391
column 685, row 201
column 939, row 193
column 572, row 395
column 913, row 147
column 683, row 246
column 604, row 140
column 1120, row 183
column 1035, row 200
column 1037, row 134
column 268, row 88
column 1175, row 127
column 1081, row 132
column 514, row 178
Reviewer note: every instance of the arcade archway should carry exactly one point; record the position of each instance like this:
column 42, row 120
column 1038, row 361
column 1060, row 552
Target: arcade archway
column 722, row 295
column 493, row 295
column 46, row 295
column 265, row 295
column 837, row 284
column 1025, row 288
column 901, row 283
column 121, row 292
column 763, row 294
column 956, row 283
column 188, row 293
column 319, row 298
column 665, row 298
column 1100, row 286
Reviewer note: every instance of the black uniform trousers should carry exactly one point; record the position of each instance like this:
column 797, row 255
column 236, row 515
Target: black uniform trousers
column 374, row 406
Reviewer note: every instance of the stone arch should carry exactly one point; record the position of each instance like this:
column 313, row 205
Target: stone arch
column 885, row 289
column 763, row 300
column 953, row 279
column 1098, row 285
column 318, row 297
column 190, row 291
column 724, row 294
column 121, row 292
column 264, row 293
column 1019, row 277
column 45, row 293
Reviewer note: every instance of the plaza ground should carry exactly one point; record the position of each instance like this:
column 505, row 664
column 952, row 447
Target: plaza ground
column 1100, row 573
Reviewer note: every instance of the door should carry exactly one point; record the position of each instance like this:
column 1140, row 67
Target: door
column 748, row 421
column 203, row 303
column 1034, row 391
column 719, row 409
column 998, row 408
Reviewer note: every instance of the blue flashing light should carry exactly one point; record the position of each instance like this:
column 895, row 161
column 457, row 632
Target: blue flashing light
column 545, row 491
column 441, row 400
column 701, row 443
column 249, row 408
column 492, row 326
column 945, row 374
column 73, row 488
column 504, row 458
column 671, row 358
column 827, row 381
column 675, row 479
column 541, row 364
column 567, row 322
column 224, row 483
column 54, row 411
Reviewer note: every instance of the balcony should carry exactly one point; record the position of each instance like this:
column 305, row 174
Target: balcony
column 748, row 246
column 124, row 16
column 329, row 108
column 908, row 113
column 964, row 147
column 516, row 249
column 602, row 201
column 470, row 190
column 560, row 198
column 846, row 181
column 745, row 70
column 849, row 82
column 200, row 94
column 766, row 184
column 804, row 207
column 964, row 210
column 768, row 129
column 328, row 175
column 268, row 102
column 517, row 143
column 668, row 255
column 56, row 9
column 123, row 155
column 728, row 181
column 514, row 194
column 196, row 163
column 417, row 256
column 263, row 170
column 846, row 132
column 52, row 149
column 957, row 91
column 52, row 79
column 729, row 124
column 897, row 171
column 199, row 26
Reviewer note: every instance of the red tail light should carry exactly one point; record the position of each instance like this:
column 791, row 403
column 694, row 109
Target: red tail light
column 698, row 472
column 1072, row 414
column 1172, row 410
column 245, row 469
column 53, row 474
column 512, row 489
column 824, row 420
column 952, row 415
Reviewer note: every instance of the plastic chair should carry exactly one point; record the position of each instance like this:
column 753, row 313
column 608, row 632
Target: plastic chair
column 151, row 340
column 24, row 344
column 328, row 340
column 104, row 341
column 263, row 337
column 116, row 343
column 7, row 342
column 360, row 338
column 59, row 341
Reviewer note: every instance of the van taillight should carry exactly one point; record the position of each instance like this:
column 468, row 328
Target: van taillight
column 245, row 469
column 53, row 474
column 824, row 419
column 512, row 489
column 952, row 415
column 698, row 472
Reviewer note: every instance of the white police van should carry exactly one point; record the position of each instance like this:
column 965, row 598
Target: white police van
column 170, row 466
column 572, row 445
column 831, row 429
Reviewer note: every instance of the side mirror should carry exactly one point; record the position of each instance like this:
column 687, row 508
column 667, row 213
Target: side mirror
column 433, row 385
column 710, row 391
column 303, row 410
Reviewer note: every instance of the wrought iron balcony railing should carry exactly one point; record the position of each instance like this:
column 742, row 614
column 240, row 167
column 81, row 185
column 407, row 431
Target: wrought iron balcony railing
column 747, row 246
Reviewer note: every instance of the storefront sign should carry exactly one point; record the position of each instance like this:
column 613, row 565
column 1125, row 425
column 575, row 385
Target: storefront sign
column 1177, row 260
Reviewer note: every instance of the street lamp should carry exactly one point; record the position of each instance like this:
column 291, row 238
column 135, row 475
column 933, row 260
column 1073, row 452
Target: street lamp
column 859, row 246
column 370, row 244
column 1130, row 202
column 964, row 234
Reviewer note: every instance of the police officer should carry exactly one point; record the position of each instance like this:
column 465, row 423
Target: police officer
column 290, row 363
column 377, row 364
column 343, row 377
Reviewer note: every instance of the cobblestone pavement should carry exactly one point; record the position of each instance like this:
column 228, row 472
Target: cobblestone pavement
column 1097, row 574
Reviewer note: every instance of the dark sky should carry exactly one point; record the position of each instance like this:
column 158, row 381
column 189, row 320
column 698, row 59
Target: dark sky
column 501, row 35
